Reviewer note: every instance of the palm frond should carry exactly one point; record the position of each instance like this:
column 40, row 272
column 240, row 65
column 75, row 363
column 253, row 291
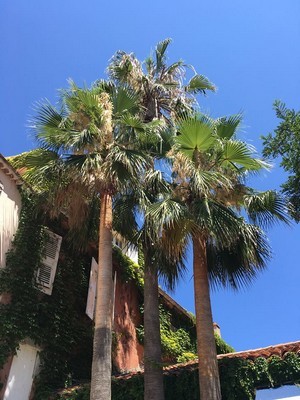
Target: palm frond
column 173, row 218
column 133, row 121
column 149, row 63
column 216, row 220
column 124, row 100
column 237, row 154
column 40, row 168
column 194, row 135
column 237, row 265
column 206, row 182
column 120, row 66
column 175, row 69
column 226, row 127
column 125, row 208
column 160, row 51
column 199, row 84
column 155, row 183
column 171, row 265
column 87, row 164
column 266, row 208
column 103, row 85
column 124, row 165
column 47, row 126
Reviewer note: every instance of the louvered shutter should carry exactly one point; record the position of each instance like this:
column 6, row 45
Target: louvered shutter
column 47, row 270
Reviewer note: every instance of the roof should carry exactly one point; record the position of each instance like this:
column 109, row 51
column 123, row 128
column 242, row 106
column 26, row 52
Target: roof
column 171, row 303
column 10, row 171
column 265, row 352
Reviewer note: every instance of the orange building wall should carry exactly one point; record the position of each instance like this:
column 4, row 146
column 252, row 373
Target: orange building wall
column 128, row 352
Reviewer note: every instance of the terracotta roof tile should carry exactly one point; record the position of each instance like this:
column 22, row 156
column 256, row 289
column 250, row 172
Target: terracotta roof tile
column 265, row 352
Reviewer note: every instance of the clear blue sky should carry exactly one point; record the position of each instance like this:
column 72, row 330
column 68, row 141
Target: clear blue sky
column 249, row 49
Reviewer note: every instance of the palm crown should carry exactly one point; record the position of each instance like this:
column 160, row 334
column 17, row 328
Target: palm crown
column 209, row 169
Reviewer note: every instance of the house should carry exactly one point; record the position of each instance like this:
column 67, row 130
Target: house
column 19, row 370
column 251, row 374
column 60, row 286
column 10, row 207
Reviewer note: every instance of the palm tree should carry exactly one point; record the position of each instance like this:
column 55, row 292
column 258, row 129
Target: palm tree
column 132, row 206
column 209, row 166
column 162, row 95
column 160, row 87
column 86, row 145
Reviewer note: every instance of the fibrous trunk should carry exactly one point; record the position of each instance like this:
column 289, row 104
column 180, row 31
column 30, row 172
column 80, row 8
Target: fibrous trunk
column 153, row 375
column 101, row 366
column 208, row 366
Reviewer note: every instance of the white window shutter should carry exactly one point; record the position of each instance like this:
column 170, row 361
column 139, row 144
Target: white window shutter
column 47, row 270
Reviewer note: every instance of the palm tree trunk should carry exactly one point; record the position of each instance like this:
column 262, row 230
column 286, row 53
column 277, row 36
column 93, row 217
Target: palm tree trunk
column 208, row 366
column 153, row 375
column 101, row 366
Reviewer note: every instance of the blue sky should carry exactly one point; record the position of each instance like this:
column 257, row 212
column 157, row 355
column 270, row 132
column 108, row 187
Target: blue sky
column 249, row 49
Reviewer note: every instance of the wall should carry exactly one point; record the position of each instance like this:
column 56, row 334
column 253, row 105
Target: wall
column 128, row 352
column 10, row 205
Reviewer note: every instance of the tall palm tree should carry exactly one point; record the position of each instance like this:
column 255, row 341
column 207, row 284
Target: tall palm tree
column 132, row 206
column 162, row 94
column 209, row 166
column 86, row 144
column 160, row 87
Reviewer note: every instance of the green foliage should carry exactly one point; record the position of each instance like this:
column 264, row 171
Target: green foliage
column 175, row 342
column 81, row 393
column 239, row 380
column 129, row 269
column 19, row 317
column 56, row 323
column 179, row 344
column 222, row 346
column 285, row 144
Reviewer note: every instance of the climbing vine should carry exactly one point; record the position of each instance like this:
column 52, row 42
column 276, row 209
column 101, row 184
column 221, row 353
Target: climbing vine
column 240, row 379
column 56, row 323
column 179, row 343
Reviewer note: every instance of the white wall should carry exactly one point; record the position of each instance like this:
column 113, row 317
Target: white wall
column 10, row 206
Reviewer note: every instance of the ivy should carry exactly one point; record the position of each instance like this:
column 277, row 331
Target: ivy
column 179, row 344
column 56, row 323
column 19, row 317
column 130, row 271
column 239, row 380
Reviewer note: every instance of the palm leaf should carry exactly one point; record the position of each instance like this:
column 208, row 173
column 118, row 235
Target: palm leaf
column 205, row 182
column 175, row 68
column 238, row 154
column 133, row 121
column 125, row 208
column 266, row 208
column 85, row 163
column 160, row 51
column 199, row 84
column 226, row 127
column 155, row 183
column 124, row 166
column 237, row 265
column 120, row 66
column 194, row 135
column 124, row 100
column 216, row 220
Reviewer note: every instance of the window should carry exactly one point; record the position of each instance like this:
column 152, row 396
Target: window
column 47, row 270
